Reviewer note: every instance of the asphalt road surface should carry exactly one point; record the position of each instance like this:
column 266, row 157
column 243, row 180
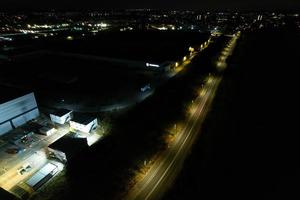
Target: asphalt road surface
column 165, row 169
column 162, row 173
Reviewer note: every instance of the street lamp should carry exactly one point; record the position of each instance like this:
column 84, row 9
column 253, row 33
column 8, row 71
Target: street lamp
column 70, row 38
column 191, row 49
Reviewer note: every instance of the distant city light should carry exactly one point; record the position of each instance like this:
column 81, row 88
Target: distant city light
column 162, row 28
column 152, row 65
column 103, row 25
column 191, row 49
column 70, row 38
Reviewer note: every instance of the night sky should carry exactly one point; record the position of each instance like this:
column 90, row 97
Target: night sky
column 159, row 4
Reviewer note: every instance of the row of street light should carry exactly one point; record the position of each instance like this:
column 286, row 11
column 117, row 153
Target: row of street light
column 221, row 62
column 192, row 53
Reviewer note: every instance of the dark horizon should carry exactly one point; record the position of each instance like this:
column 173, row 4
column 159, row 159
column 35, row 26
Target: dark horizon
column 91, row 5
column 62, row 10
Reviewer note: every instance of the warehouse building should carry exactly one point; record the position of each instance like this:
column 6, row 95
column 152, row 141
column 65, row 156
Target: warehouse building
column 63, row 149
column 16, row 108
column 84, row 123
column 61, row 116
column 42, row 176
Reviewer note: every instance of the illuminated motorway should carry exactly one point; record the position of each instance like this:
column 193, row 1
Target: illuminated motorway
column 165, row 169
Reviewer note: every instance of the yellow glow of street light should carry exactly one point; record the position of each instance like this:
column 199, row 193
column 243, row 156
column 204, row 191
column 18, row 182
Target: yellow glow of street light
column 202, row 93
column 191, row 49
column 209, row 80
column 222, row 58
column 184, row 58
column 70, row 37
column 192, row 109
column 176, row 64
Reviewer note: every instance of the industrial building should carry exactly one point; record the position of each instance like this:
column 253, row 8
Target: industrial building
column 84, row 123
column 42, row 176
column 61, row 116
column 63, row 149
column 16, row 108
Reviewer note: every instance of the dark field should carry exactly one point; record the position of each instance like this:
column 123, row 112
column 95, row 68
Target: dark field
column 144, row 46
column 249, row 144
column 54, row 78
column 89, row 83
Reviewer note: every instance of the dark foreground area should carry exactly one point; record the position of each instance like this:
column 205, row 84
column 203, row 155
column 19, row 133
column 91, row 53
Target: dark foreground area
column 249, row 144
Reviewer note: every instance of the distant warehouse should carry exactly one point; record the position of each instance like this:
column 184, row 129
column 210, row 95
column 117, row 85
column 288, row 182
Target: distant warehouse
column 16, row 108
column 84, row 123
column 61, row 116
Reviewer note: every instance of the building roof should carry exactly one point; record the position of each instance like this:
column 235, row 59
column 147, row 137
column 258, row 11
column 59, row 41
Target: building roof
column 83, row 118
column 10, row 93
column 66, row 144
column 61, row 112
column 41, row 174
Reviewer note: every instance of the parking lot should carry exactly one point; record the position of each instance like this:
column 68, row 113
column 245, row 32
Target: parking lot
column 23, row 152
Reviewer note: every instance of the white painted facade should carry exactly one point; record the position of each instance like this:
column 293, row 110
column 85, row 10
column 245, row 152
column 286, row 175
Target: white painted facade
column 5, row 127
column 84, row 128
column 61, row 119
column 17, row 112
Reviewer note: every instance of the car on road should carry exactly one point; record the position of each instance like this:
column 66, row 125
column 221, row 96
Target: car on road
column 145, row 88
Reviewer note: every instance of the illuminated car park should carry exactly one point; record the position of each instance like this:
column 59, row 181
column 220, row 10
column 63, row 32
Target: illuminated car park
column 24, row 152
column 24, row 137
column 22, row 156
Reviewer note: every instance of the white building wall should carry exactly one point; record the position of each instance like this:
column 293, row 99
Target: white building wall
column 84, row 128
column 60, row 120
column 18, row 111
column 56, row 119
column 5, row 127
column 19, row 121
column 17, row 106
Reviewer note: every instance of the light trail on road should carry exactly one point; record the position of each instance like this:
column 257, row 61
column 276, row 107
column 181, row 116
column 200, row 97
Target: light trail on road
column 164, row 170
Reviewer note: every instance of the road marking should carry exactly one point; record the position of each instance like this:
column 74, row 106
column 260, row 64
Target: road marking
column 183, row 143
